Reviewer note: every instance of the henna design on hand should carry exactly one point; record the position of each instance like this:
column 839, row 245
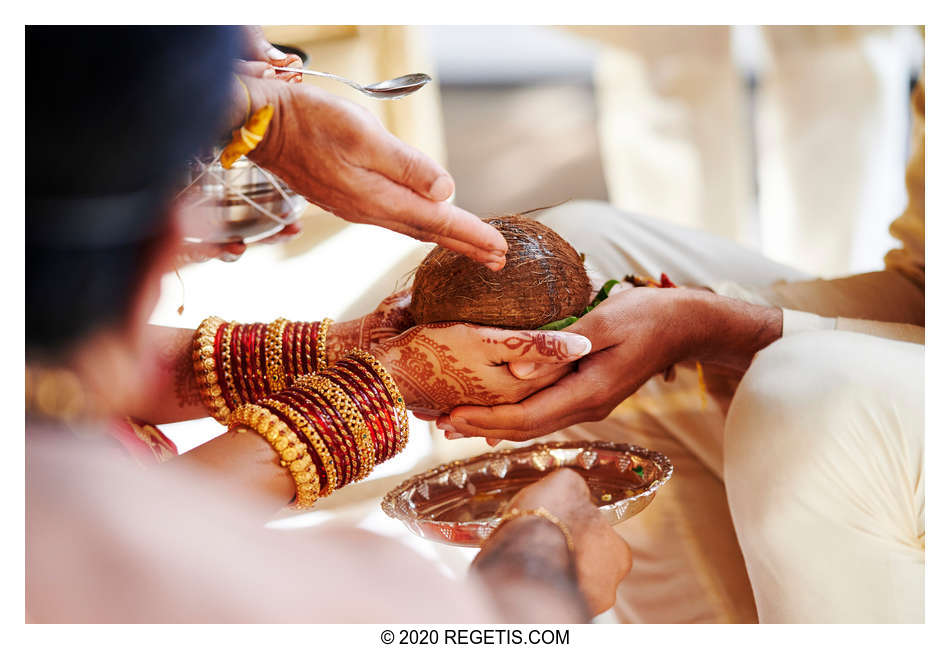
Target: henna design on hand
column 390, row 319
column 542, row 344
column 430, row 377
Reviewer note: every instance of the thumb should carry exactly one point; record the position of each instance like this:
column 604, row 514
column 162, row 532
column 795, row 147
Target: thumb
column 526, row 351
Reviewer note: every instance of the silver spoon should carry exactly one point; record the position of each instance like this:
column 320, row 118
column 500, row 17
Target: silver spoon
column 391, row 89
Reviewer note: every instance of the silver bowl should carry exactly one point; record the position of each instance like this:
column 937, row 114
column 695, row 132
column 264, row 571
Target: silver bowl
column 245, row 203
column 461, row 503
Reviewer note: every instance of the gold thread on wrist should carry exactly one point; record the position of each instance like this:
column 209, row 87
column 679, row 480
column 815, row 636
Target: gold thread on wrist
column 205, row 368
column 322, row 332
column 540, row 512
column 273, row 352
column 393, row 391
column 304, row 427
column 291, row 452
column 247, row 93
column 351, row 416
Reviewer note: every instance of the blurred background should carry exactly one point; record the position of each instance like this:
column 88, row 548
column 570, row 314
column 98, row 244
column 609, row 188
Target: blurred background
column 789, row 140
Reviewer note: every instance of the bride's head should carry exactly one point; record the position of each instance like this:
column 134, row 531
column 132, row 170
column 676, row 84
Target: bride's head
column 113, row 113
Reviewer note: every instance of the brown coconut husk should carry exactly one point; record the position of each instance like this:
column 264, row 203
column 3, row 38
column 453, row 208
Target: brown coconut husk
column 543, row 280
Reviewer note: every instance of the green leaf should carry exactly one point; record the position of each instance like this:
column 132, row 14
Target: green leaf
column 560, row 324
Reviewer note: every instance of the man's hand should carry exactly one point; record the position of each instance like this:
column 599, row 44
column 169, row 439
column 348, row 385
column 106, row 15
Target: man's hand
column 601, row 557
column 441, row 365
column 636, row 334
column 339, row 156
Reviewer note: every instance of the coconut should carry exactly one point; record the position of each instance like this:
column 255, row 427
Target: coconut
column 543, row 280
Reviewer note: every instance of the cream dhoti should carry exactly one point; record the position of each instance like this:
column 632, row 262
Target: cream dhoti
column 690, row 566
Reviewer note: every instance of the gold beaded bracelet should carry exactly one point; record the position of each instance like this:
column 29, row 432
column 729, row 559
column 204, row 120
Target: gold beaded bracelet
column 322, row 332
column 540, row 512
column 206, row 373
column 274, row 353
column 291, row 451
column 303, row 426
column 392, row 389
column 350, row 414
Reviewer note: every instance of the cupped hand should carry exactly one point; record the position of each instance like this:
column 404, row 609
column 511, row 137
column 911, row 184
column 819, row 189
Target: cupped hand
column 193, row 253
column 635, row 334
column 602, row 557
column 258, row 49
column 441, row 365
column 340, row 157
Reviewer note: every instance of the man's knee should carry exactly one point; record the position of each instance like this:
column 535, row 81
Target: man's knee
column 834, row 418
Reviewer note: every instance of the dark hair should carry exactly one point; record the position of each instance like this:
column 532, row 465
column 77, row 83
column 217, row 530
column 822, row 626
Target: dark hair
column 113, row 113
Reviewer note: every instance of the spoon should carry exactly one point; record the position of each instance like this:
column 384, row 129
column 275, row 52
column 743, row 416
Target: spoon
column 391, row 89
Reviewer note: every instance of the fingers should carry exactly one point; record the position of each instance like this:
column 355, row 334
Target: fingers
column 192, row 253
column 403, row 210
column 494, row 259
column 259, row 69
column 537, row 346
column 546, row 411
column 288, row 233
column 411, row 168
column 259, row 49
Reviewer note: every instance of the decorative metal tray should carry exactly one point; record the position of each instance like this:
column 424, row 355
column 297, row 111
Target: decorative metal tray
column 460, row 503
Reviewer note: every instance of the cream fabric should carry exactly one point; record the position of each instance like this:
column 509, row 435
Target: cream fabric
column 688, row 563
column 818, row 148
column 825, row 480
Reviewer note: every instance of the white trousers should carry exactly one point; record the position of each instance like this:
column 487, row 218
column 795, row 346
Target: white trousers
column 806, row 504
column 818, row 147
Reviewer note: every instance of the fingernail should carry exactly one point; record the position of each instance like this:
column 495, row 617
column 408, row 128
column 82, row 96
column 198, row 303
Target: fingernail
column 449, row 435
column 576, row 344
column 492, row 442
column 447, row 427
column 441, row 189
column 228, row 257
column 522, row 370
column 274, row 53
column 269, row 73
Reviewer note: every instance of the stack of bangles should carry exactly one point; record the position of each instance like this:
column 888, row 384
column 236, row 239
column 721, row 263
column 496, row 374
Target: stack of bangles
column 329, row 425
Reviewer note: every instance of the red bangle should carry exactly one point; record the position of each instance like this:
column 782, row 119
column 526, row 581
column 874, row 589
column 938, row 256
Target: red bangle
column 356, row 393
column 327, row 431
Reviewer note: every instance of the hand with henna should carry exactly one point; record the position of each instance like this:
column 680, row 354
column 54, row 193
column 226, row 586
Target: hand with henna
column 389, row 319
column 441, row 365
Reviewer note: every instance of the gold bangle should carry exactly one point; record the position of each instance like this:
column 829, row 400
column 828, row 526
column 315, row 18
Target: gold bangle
column 308, row 366
column 540, row 512
column 298, row 349
column 205, row 369
column 291, row 452
column 304, row 427
column 226, row 361
column 351, row 416
column 394, row 394
column 274, row 353
column 322, row 332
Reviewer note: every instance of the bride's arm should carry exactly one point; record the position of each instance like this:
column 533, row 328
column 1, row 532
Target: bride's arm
column 173, row 394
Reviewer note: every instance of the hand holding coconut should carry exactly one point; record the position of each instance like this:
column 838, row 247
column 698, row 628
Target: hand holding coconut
column 636, row 334
column 441, row 365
